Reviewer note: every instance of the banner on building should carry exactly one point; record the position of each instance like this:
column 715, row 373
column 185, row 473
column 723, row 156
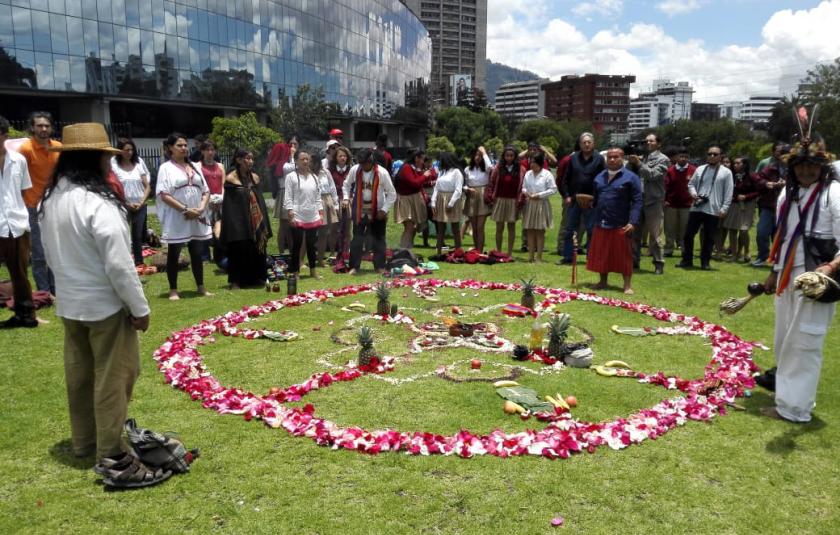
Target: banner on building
column 461, row 85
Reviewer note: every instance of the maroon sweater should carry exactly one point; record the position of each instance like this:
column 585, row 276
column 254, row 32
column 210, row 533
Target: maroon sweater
column 410, row 180
column 744, row 185
column 338, row 178
column 676, row 186
column 504, row 184
column 767, row 196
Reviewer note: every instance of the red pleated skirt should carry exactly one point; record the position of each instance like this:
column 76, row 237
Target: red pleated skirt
column 611, row 251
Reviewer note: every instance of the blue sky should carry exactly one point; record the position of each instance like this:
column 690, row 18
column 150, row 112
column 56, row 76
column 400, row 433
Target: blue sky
column 728, row 50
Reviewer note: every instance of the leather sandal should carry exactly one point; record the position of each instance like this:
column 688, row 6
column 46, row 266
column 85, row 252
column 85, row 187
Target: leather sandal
column 129, row 473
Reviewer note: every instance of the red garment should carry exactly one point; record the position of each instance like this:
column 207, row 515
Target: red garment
column 388, row 158
column 338, row 177
column 278, row 156
column 505, row 184
column 768, row 196
column 611, row 251
column 115, row 185
column 676, row 186
column 746, row 187
column 525, row 164
column 562, row 167
column 214, row 176
column 409, row 180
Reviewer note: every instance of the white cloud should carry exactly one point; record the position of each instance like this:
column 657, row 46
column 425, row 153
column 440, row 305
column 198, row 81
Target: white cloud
column 608, row 8
column 678, row 7
column 792, row 42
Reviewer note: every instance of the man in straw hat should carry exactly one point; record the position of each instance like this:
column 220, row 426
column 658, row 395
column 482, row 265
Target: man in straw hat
column 15, row 230
column 807, row 239
column 100, row 300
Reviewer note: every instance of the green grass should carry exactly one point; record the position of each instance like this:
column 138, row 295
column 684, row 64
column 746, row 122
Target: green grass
column 739, row 473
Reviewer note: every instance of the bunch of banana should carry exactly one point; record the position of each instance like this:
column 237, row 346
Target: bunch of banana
column 558, row 401
column 610, row 368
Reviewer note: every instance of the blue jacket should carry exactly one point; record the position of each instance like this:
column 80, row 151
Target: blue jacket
column 618, row 202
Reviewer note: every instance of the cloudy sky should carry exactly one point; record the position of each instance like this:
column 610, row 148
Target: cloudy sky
column 727, row 49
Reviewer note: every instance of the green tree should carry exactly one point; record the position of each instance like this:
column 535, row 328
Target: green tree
column 824, row 89
column 244, row 131
column 699, row 135
column 14, row 133
column 495, row 146
column 468, row 129
column 305, row 113
column 548, row 132
column 437, row 144
column 519, row 145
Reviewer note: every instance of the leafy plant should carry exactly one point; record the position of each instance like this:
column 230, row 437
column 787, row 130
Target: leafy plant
column 231, row 133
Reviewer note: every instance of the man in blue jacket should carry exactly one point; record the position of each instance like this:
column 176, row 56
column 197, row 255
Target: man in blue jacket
column 618, row 207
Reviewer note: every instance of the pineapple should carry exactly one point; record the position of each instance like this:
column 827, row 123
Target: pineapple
column 383, row 307
column 558, row 326
column 527, row 293
column 365, row 338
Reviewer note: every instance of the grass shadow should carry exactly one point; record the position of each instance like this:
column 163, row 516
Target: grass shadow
column 63, row 453
column 785, row 443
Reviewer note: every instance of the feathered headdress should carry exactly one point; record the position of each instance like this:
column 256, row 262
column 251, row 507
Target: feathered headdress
column 811, row 148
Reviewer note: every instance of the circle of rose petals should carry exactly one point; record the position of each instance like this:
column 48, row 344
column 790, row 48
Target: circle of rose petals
column 726, row 376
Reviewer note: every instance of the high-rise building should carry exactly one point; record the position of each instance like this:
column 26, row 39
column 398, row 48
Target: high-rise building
column 731, row 110
column 175, row 65
column 665, row 103
column 601, row 98
column 705, row 111
column 458, row 30
column 522, row 100
column 758, row 109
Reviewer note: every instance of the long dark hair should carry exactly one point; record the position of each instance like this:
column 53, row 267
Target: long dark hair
column 82, row 167
column 121, row 143
column 448, row 161
column 502, row 164
column 241, row 153
column 481, row 165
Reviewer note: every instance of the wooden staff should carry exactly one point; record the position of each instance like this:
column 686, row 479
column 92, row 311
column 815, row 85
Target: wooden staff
column 574, row 259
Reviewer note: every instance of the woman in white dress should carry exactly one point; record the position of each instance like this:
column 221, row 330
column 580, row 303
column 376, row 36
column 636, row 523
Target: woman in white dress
column 304, row 211
column 328, row 234
column 133, row 174
column 183, row 196
column 477, row 178
column 538, row 185
column 447, row 200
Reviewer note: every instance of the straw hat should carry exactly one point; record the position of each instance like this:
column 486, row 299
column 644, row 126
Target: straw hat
column 85, row 136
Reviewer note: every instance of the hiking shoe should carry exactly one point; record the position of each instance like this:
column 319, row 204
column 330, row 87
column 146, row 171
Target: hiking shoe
column 767, row 380
column 18, row 321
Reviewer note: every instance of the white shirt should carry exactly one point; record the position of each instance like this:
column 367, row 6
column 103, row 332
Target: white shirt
column 132, row 181
column 303, row 198
column 88, row 248
column 826, row 226
column 385, row 197
column 542, row 184
column 172, row 179
column 452, row 181
column 14, row 178
column 477, row 178
column 327, row 185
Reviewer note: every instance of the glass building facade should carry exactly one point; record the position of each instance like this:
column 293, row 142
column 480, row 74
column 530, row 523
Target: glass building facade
column 370, row 57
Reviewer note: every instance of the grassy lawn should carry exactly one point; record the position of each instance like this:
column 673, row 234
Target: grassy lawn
column 739, row 473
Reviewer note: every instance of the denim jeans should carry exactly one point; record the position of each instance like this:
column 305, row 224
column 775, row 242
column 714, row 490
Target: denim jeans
column 573, row 217
column 764, row 232
column 44, row 280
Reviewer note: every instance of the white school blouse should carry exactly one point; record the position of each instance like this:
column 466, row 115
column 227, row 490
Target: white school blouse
column 542, row 184
column 452, row 181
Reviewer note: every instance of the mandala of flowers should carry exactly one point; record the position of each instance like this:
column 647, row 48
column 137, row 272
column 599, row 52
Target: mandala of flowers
column 726, row 376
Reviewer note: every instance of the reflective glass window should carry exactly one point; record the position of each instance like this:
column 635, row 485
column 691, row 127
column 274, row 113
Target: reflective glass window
column 170, row 25
column 230, row 9
column 158, row 16
column 224, row 64
column 41, row 5
column 201, row 22
column 231, row 32
column 132, row 13
column 195, row 65
column 118, row 11
column 120, row 43
column 73, row 7
column 203, row 56
column 26, row 58
column 106, row 41
column 78, row 75
column 6, row 31
column 103, row 9
column 133, row 35
column 61, row 73
column 146, row 19
column 58, row 31
column 22, row 23
column 75, row 36
column 170, row 48
column 56, row 6
column 181, row 20
column 160, row 46
column 89, row 9
column 214, row 58
column 44, row 68
column 183, row 53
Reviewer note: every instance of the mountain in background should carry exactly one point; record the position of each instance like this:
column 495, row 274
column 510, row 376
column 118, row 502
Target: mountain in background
column 498, row 74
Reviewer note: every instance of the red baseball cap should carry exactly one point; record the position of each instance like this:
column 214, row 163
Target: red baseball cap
column 336, row 132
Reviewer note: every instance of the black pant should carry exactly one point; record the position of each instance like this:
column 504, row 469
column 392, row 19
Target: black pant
column 196, row 248
column 298, row 236
column 375, row 229
column 137, row 222
column 709, row 223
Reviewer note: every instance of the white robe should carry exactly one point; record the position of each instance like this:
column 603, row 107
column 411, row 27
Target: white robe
column 801, row 322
